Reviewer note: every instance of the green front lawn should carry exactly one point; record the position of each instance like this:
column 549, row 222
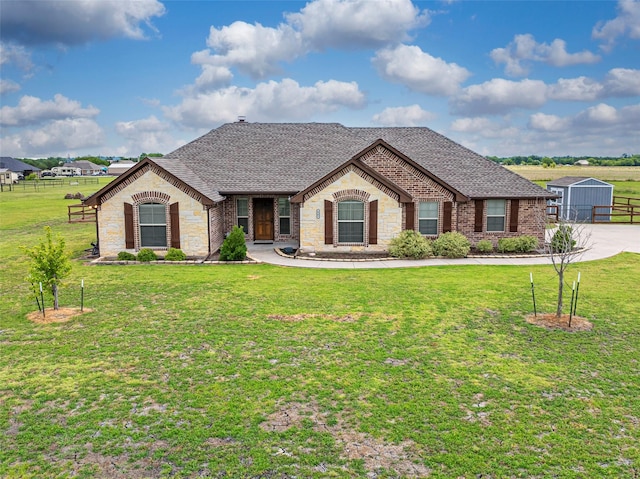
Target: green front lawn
column 262, row 371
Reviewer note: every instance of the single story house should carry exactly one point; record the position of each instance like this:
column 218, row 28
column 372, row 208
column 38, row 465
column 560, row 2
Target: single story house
column 577, row 195
column 17, row 166
column 116, row 169
column 8, row 177
column 87, row 168
column 325, row 186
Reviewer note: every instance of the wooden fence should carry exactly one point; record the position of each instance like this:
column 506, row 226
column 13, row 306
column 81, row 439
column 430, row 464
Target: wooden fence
column 623, row 210
column 82, row 214
column 37, row 185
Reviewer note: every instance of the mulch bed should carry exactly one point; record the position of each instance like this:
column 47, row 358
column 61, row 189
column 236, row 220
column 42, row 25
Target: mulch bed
column 551, row 321
column 60, row 315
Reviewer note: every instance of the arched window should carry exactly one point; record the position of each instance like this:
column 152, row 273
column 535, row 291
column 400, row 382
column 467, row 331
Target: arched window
column 351, row 221
column 153, row 225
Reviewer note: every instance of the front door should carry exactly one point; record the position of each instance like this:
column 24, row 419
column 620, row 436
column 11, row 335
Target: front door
column 263, row 219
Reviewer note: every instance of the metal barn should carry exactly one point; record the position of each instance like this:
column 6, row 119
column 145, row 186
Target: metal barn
column 577, row 195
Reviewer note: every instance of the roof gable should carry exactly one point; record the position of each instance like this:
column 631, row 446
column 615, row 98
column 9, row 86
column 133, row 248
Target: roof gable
column 578, row 181
column 369, row 174
column 128, row 177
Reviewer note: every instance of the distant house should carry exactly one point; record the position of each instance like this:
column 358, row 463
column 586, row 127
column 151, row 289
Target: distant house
column 577, row 195
column 325, row 186
column 8, row 177
column 116, row 169
column 582, row 163
column 87, row 168
column 18, row 166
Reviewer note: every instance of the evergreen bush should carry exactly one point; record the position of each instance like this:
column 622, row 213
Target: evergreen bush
column 452, row 245
column 234, row 247
column 145, row 255
column 126, row 256
column 521, row 244
column 175, row 254
column 484, row 246
column 562, row 240
column 410, row 244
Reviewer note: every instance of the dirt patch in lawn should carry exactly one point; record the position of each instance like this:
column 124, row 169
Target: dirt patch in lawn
column 61, row 315
column 551, row 321
column 375, row 453
column 294, row 318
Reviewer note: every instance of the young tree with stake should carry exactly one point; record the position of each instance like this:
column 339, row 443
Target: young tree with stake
column 49, row 263
column 565, row 245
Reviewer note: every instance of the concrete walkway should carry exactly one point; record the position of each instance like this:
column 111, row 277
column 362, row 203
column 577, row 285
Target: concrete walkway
column 606, row 240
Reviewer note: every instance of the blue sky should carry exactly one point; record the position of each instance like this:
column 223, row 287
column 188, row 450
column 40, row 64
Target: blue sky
column 500, row 77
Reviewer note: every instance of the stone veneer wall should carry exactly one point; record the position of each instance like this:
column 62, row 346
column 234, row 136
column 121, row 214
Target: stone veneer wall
column 148, row 185
column 350, row 182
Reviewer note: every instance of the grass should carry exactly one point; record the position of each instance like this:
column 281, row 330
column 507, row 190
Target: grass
column 605, row 173
column 262, row 371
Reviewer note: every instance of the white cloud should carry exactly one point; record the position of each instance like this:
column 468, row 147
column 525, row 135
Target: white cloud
column 269, row 101
column 254, row 50
column 622, row 82
column 8, row 86
column 16, row 55
column 419, row 71
column 544, row 122
column 412, row 115
column 32, row 110
column 257, row 51
column 627, row 23
column 349, row 24
column 148, row 135
column 500, row 96
column 474, row 125
column 524, row 48
column 599, row 131
column 57, row 138
column 576, row 89
column 73, row 22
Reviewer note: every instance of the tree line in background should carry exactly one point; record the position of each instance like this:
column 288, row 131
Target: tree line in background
column 48, row 163
column 624, row 160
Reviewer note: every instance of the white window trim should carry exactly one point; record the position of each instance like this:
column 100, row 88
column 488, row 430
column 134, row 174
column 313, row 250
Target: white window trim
column 436, row 218
column 503, row 216
column 363, row 221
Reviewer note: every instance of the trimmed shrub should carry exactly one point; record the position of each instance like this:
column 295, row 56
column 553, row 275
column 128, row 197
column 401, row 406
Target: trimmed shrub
column 175, row 254
column 145, row 255
column 452, row 245
column 484, row 246
column 521, row 244
column 562, row 240
column 126, row 256
column 410, row 244
column 234, row 247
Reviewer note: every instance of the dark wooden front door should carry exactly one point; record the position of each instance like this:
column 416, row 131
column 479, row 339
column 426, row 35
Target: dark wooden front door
column 263, row 219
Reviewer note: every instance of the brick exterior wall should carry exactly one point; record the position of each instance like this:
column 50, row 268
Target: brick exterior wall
column 230, row 217
column 413, row 181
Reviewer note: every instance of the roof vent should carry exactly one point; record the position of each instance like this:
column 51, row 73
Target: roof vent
column 241, row 119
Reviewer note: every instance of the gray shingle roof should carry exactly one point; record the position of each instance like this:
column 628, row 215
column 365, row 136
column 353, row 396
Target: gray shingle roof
column 288, row 157
column 567, row 180
column 16, row 165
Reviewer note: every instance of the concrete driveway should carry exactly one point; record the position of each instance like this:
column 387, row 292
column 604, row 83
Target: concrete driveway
column 605, row 239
